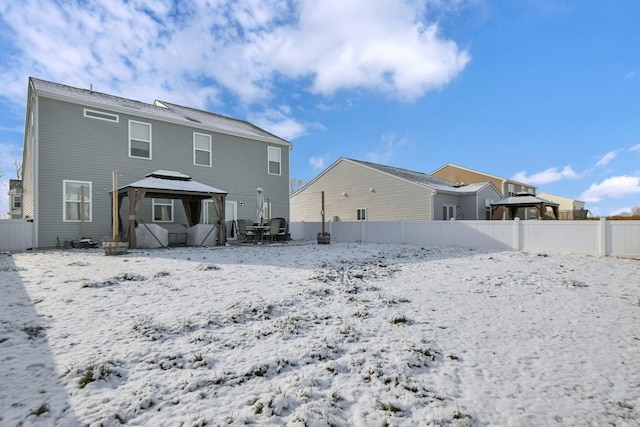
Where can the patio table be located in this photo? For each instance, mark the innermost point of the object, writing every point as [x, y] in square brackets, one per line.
[259, 231]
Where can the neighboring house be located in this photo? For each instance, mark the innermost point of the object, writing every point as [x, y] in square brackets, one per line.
[569, 208]
[355, 190]
[459, 174]
[15, 199]
[75, 138]
[508, 187]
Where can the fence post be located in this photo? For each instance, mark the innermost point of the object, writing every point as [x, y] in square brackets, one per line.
[602, 249]
[516, 234]
[452, 231]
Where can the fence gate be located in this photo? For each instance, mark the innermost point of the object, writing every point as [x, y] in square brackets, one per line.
[16, 234]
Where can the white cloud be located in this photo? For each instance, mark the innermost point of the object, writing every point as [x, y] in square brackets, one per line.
[614, 187]
[607, 158]
[278, 122]
[386, 148]
[635, 148]
[631, 74]
[618, 211]
[380, 46]
[319, 162]
[186, 52]
[546, 176]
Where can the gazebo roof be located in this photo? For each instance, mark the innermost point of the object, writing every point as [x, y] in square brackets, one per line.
[171, 185]
[524, 200]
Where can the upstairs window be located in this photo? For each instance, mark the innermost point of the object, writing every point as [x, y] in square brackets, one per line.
[361, 214]
[77, 201]
[101, 115]
[16, 201]
[511, 190]
[162, 210]
[274, 160]
[139, 140]
[201, 149]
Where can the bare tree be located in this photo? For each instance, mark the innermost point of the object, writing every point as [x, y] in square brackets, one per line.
[295, 184]
[18, 169]
[635, 211]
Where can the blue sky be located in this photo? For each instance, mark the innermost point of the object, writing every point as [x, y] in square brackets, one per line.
[542, 91]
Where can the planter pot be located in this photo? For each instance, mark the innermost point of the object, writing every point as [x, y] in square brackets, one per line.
[324, 240]
[115, 248]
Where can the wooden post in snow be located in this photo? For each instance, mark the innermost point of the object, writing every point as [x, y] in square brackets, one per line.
[114, 205]
[322, 212]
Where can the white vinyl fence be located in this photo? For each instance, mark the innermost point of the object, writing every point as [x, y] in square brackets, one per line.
[598, 238]
[16, 234]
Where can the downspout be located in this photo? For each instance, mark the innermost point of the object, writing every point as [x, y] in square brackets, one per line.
[433, 211]
[36, 179]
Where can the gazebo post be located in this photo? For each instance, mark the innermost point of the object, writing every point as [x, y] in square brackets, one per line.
[131, 193]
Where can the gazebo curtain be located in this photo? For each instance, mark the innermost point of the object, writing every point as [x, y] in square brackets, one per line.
[222, 232]
[193, 210]
[498, 210]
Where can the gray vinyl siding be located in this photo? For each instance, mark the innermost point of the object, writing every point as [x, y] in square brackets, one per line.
[441, 199]
[466, 208]
[391, 199]
[489, 193]
[74, 147]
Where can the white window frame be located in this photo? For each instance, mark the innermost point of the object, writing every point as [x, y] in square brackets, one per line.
[65, 200]
[450, 209]
[101, 115]
[196, 149]
[15, 197]
[361, 214]
[141, 140]
[511, 190]
[274, 155]
[160, 202]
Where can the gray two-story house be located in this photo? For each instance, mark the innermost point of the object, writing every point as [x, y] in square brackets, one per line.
[76, 138]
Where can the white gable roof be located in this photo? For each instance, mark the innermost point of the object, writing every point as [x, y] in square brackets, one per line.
[159, 110]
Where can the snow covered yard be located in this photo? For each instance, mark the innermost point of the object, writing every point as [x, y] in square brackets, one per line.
[306, 334]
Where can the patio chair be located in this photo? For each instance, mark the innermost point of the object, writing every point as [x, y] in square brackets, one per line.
[273, 230]
[283, 231]
[249, 235]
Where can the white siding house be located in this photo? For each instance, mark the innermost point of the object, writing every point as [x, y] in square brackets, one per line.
[356, 190]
